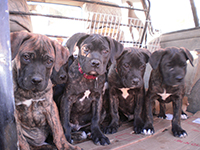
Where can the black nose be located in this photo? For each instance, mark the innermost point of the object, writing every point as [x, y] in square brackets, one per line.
[36, 80]
[135, 81]
[62, 77]
[179, 78]
[95, 63]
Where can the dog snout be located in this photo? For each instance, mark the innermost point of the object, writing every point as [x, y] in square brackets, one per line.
[179, 78]
[135, 81]
[36, 80]
[62, 77]
[95, 63]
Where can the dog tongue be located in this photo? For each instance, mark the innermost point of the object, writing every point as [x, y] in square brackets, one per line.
[93, 73]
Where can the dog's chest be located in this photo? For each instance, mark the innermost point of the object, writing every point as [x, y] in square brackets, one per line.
[85, 95]
[125, 92]
[31, 112]
[164, 95]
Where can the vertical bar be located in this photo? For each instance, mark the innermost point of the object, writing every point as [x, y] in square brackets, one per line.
[8, 133]
[146, 23]
[194, 12]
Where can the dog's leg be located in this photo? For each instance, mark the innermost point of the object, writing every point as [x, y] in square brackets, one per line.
[114, 104]
[57, 130]
[97, 136]
[138, 122]
[148, 127]
[176, 124]
[162, 110]
[65, 110]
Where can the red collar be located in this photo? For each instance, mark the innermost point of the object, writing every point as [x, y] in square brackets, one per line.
[84, 74]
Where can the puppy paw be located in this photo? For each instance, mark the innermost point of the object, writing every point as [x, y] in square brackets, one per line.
[184, 116]
[112, 128]
[148, 130]
[162, 116]
[178, 131]
[138, 126]
[99, 138]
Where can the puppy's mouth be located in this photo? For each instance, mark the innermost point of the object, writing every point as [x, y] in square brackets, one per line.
[94, 73]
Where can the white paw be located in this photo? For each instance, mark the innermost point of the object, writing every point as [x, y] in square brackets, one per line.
[147, 132]
[83, 135]
[184, 117]
[183, 135]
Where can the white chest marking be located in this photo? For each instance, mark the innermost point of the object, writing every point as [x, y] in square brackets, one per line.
[29, 102]
[164, 95]
[125, 93]
[86, 94]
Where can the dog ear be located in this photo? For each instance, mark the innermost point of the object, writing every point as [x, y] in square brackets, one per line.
[116, 49]
[155, 58]
[81, 38]
[17, 38]
[188, 55]
[146, 54]
[61, 56]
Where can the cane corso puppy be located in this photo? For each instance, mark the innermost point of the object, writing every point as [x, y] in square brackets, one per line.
[166, 84]
[81, 104]
[126, 88]
[34, 57]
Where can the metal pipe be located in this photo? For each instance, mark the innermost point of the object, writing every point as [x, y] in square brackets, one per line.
[8, 132]
[94, 2]
[146, 23]
[194, 12]
[70, 18]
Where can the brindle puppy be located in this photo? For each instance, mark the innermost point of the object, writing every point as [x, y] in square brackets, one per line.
[126, 88]
[166, 84]
[34, 57]
[81, 103]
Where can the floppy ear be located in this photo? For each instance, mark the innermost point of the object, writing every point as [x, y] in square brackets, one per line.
[17, 38]
[188, 55]
[116, 49]
[147, 54]
[80, 39]
[155, 58]
[72, 41]
[61, 55]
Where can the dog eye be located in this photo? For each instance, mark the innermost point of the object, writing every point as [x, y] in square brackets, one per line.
[142, 67]
[105, 52]
[126, 65]
[26, 57]
[49, 62]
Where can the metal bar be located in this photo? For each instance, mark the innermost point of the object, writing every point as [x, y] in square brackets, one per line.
[194, 12]
[146, 23]
[62, 17]
[98, 3]
[8, 132]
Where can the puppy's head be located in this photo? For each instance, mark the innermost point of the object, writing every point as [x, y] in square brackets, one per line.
[96, 51]
[34, 57]
[172, 64]
[131, 66]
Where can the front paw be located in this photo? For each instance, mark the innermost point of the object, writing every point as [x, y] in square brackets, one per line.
[148, 130]
[162, 116]
[100, 138]
[178, 131]
[112, 128]
[138, 126]
[68, 137]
